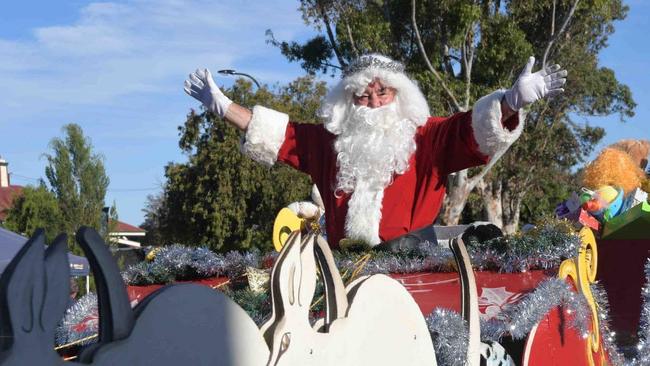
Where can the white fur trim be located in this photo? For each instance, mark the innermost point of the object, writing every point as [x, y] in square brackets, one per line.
[265, 135]
[364, 214]
[493, 139]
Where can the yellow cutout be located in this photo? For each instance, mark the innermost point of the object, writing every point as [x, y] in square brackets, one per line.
[582, 271]
[285, 223]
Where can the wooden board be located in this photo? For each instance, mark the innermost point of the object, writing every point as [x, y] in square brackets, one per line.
[382, 325]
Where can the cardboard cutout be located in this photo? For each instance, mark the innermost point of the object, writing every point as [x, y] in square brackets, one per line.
[382, 324]
[177, 325]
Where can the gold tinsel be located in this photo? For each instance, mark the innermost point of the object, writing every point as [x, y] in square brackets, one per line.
[615, 168]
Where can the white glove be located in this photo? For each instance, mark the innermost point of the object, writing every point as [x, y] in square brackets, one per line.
[305, 209]
[531, 87]
[201, 86]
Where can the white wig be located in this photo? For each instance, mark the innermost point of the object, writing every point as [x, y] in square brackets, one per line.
[411, 103]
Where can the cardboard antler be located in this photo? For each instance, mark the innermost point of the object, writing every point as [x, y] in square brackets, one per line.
[115, 315]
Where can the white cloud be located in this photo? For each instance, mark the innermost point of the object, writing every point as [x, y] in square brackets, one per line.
[140, 46]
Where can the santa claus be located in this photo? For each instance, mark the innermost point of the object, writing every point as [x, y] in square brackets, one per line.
[379, 160]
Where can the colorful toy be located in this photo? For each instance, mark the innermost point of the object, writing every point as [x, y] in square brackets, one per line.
[615, 168]
[605, 203]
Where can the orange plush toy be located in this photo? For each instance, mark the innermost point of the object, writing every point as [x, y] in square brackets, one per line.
[615, 168]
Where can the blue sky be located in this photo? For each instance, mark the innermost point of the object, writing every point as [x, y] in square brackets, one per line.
[117, 69]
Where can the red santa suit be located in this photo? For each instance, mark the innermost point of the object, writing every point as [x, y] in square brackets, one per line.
[413, 199]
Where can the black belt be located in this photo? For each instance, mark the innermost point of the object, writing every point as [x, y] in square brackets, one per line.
[409, 241]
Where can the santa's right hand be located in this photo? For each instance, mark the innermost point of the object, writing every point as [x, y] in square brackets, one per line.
[305, 210]
[201, 86]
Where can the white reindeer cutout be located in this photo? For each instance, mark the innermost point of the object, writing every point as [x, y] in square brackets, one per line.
[376, 322]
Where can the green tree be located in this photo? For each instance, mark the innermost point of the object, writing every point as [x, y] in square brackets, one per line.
[460, 50]
[77, 179]
[35, 208]
[219, 197]
[154, 214]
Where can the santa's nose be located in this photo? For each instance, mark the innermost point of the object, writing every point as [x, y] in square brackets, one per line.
[374, 101]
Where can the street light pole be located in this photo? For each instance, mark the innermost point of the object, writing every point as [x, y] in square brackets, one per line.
[233, 72]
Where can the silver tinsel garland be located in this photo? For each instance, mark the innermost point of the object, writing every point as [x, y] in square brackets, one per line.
[178, 263]
[543, 248]
[643, 348]
[448, 330]
[449, 335]
[518, 319]
[522, 255]
[79, 322]
[607, 335]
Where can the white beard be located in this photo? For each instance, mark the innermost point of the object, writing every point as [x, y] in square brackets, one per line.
[375, 144]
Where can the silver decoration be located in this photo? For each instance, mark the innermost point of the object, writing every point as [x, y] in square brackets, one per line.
[365, 62]
[449, 335]
[518, 319]
[80, 321]
[643, 348]
[177, 263]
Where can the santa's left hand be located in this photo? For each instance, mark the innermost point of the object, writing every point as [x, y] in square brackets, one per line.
[531, 87]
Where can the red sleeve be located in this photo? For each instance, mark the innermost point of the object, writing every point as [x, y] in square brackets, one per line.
[305, 147]
[452, 143]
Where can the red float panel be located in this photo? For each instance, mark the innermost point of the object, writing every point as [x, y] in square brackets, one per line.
[432, 290]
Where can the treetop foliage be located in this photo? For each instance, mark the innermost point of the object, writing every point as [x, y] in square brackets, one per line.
[77, 178]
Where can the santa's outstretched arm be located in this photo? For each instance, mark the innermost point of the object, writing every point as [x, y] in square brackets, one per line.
[202, 87]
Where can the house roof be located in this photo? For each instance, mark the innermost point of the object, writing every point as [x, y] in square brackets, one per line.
[123, 227]
[7, 195]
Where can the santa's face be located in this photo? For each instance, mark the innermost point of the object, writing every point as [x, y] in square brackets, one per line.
[374, 143]
[376, 95]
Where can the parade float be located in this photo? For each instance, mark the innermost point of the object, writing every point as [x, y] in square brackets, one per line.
[544, 296]
[535, 310]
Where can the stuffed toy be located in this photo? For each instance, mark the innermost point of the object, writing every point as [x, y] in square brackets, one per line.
[637, 149]
[613, 167]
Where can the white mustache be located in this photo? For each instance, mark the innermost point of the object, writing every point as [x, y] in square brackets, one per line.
[372, 116]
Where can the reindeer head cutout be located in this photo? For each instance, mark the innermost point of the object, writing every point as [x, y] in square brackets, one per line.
[177, 325]
[375, 322]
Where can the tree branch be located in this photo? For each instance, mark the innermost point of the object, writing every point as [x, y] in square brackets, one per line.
[330, 65]
[330, 33]
[429, 66]
[553, 19]
[468, 62]
[355, 50]
[533, 165]
[342, 16]
[554, 37]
